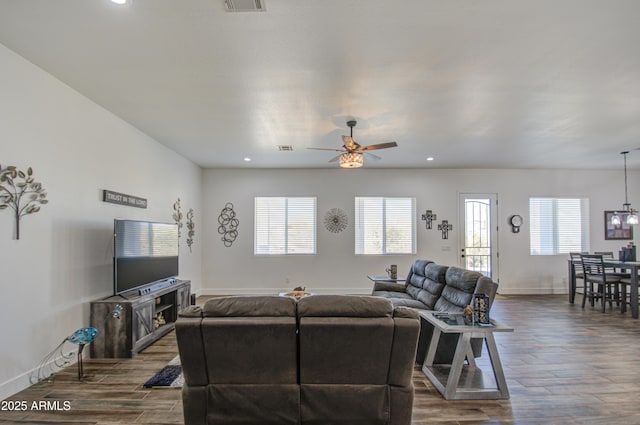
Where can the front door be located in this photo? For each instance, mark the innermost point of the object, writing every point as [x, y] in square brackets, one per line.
[479, 233]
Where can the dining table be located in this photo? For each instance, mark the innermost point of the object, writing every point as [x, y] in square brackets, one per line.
[630, 267]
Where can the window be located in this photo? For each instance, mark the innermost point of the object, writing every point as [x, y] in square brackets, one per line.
[385, 225]
[558, 225]
[285, 226]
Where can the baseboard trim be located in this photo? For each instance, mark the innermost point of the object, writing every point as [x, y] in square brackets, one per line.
[15, 385]
[23, 381]
[532, 291]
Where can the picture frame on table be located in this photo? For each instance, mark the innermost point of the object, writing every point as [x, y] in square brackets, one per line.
[622, 231]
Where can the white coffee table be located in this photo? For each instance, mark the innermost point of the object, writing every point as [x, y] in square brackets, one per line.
[458, 381]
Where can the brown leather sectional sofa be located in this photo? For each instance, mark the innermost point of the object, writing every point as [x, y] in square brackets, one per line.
[326, 359]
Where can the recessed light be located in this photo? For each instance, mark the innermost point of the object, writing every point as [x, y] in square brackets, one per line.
[430, 158]
[247, 159]
[119, 1]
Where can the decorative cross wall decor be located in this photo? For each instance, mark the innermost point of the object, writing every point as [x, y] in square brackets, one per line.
[429, 217]
[444, 228]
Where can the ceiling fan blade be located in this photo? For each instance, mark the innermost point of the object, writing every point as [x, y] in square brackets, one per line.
[349, 143]
[379, 146]
[371, 156]
[328, 149]
[335, 158]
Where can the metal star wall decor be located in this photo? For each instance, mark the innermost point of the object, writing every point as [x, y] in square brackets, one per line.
[429, 217]
[335, 220]
[444, 228]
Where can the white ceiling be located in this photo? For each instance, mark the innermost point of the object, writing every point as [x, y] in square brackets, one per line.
[473, 83]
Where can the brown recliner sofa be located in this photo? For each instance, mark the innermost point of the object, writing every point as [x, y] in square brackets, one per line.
[326, 359]
[435, 287]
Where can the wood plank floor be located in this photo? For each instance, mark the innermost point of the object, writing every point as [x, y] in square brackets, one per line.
[564, 366]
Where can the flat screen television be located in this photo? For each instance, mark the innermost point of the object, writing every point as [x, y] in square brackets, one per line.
[144, 252]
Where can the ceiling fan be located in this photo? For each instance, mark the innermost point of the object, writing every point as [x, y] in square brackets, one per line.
[352, 155]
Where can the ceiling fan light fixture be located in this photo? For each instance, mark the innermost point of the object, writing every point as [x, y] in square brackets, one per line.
[351, 160]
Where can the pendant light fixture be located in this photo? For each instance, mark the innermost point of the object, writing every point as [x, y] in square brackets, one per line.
[629, 214]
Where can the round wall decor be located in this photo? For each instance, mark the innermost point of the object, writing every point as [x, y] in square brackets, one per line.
[335, 220]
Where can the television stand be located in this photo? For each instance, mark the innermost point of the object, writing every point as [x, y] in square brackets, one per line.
[145, 317]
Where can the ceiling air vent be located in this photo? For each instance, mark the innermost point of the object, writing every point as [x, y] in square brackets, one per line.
[285, 147]
[244, 5]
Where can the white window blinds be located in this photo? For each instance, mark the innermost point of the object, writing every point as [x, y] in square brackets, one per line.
[285, 225]
[385, 225]
[558, 225]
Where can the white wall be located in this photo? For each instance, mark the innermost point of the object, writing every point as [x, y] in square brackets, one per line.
[336, 268]
[64, 257]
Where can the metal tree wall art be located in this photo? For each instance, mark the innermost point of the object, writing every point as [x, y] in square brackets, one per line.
[191, 228]
[20, 192]
[177, 216]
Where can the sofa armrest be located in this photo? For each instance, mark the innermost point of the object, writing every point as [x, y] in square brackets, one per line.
[488, 287]
[388, 286]
[403, 351]
[192, 356]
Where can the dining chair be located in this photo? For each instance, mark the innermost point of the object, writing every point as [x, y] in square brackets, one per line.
[608, 255]
[577, 266]
[619, 290]
[598, 285]
[625, 293]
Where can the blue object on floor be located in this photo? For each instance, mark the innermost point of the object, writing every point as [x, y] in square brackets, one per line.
[165, 377]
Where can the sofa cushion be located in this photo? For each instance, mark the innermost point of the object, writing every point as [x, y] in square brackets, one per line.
[392, 294]
[459, 288]
[191, 311]
[250, 306]
[436, 273]
[408, 302]
[405, 313]
[344, 306]
[417, 274]
[432, 285]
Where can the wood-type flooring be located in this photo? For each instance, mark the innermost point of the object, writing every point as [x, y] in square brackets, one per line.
[564, 366]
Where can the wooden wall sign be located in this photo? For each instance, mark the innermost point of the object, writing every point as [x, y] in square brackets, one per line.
[123, 199]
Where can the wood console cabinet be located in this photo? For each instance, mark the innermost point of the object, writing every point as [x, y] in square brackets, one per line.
[144, 319]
